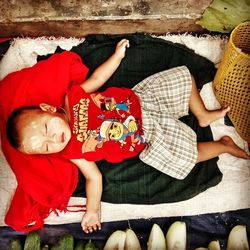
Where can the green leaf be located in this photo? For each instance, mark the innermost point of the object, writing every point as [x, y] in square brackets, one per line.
[15, 244]
[90, 246]
[224, 15]
[65, 242]
[79, 245]
[33, 241]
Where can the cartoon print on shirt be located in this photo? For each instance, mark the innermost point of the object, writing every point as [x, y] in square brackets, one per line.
[110, 104]
[80, 117]
[110, 129]
[113, 130]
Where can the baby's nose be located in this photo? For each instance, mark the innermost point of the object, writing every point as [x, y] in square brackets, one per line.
[52, 138]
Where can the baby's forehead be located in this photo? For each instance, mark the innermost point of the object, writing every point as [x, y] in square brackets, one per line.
[32, 114]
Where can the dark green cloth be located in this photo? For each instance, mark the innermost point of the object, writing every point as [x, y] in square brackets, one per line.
[146, 56]
[132, 181]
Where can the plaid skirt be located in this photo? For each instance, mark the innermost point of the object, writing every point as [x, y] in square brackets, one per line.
[171, 145]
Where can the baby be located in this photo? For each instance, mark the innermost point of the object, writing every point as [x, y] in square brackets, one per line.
[121, 123]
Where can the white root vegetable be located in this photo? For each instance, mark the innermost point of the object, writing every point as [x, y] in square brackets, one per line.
[116, 241]
[214, 245]
[156, 239]
[237, 239]
[131, 241]
[176, 237]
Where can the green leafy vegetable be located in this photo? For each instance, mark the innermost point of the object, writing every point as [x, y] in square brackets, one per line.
[66, 242]
[15, 244]
[79, 245]
[90, 246]
[33, 241]
[224, 15]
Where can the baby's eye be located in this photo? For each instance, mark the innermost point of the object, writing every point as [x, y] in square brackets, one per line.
[46, 128]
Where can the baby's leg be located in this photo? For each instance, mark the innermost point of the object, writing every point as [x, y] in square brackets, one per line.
[204, 116]
[209, 150]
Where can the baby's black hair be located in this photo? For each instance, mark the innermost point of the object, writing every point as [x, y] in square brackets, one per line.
[12, 128]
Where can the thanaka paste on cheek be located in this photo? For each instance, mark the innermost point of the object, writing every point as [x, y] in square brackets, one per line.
[55, 123]
[34, 144]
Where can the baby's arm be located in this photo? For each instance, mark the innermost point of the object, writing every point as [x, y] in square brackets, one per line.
[91, 219]
[106, 69]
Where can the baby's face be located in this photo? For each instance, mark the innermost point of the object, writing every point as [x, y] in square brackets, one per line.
[43, 132]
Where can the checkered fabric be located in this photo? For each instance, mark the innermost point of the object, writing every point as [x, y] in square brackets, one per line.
[171, 145]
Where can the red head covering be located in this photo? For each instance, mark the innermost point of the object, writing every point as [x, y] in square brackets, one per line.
[45, 183]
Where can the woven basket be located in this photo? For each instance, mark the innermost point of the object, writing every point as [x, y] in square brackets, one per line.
[232, 80]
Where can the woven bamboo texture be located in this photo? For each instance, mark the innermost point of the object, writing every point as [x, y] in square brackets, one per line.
[232, 80]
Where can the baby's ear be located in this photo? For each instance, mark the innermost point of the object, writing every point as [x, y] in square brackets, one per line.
[47, 107]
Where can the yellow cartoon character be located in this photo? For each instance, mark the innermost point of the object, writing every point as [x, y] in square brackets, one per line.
[112, 130]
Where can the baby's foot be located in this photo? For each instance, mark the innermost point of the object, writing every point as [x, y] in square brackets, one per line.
[233, 149]
[212, 115]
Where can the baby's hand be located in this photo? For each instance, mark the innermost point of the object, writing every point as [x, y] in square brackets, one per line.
[91, 222]
[121, 48]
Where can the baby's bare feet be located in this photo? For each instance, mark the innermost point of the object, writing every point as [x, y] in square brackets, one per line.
[233, 149]
[212, 115]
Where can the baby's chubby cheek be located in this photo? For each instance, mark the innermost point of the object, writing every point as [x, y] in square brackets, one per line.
[33, 144]
[55, 123]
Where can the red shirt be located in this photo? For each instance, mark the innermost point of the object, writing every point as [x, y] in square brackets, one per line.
[105, 125]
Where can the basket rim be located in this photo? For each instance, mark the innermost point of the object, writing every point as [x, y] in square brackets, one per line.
[231, 38]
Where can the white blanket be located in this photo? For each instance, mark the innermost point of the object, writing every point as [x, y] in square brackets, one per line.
[230, 194]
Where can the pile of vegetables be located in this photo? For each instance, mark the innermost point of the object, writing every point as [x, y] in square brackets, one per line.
[224, 15]
[66, 242]
[175, 239]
